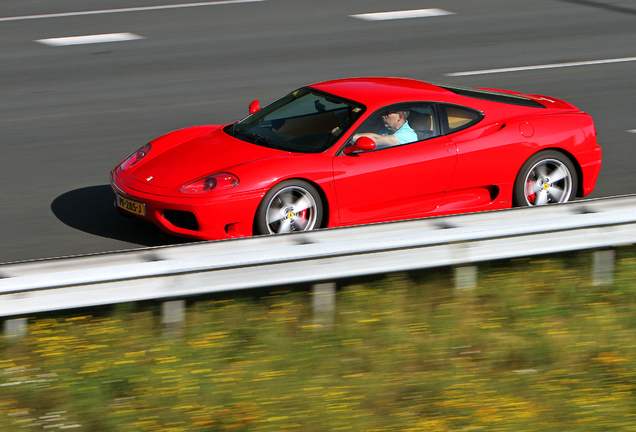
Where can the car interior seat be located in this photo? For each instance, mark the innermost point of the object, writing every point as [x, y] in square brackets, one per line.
[421, 123]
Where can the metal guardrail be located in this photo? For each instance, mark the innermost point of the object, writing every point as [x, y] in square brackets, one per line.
[324, 255]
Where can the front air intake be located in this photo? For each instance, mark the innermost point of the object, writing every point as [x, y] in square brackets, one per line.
[182, 219]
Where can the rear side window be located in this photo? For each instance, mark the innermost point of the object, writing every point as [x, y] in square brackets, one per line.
[456, 118]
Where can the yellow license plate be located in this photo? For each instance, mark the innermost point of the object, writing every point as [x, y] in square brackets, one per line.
[131, 206]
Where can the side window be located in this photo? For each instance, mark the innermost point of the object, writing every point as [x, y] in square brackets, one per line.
[420, 122]
[456, 118]
[423, 120]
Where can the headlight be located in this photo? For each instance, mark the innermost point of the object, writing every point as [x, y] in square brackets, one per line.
[217, 182]
[135, 157]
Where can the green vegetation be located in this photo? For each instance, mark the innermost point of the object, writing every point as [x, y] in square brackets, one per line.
[535, 347]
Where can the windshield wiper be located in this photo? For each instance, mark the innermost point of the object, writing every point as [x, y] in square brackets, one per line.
[258, 138]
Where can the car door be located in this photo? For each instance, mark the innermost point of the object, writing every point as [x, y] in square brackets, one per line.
[403, 181]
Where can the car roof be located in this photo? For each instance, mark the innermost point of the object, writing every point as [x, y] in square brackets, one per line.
[374, 91]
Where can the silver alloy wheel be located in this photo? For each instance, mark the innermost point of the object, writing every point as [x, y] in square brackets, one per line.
[548, 181]
[291, 209]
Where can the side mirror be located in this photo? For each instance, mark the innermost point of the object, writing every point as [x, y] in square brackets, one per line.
[254, 106]
[362, 144]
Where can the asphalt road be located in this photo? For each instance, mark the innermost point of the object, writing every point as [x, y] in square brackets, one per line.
[69, 114]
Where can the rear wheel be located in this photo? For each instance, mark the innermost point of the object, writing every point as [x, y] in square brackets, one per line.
[290, 206]
[548, 177]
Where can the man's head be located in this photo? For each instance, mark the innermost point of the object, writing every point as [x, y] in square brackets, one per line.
[395, 119]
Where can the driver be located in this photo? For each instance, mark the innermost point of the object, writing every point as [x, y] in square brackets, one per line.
[396, 130]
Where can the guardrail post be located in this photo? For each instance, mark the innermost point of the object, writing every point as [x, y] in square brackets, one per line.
[16, 328]
[603, 267]
[173, 317]
[324, 304]
[465, 277]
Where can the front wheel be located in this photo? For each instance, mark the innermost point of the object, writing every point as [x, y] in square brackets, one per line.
[290, 206]
[546, 178]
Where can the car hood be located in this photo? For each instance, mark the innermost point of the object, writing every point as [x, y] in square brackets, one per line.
[197, 157]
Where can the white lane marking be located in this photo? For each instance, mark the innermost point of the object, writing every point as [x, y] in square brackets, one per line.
[545, 66]
[90, 39]
[134, 9]
[632, 131]
[418, 13]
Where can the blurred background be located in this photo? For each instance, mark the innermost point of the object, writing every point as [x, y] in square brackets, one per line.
[70, 113]
[537, 345]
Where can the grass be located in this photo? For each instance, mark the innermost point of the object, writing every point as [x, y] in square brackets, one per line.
[536, 346]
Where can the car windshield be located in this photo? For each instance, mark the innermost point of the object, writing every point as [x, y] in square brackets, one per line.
[304, 121]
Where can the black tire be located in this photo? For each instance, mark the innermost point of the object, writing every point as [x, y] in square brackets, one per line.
[290, 206]
[548, 177]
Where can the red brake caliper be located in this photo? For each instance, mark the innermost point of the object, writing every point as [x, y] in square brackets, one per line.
[532, 195]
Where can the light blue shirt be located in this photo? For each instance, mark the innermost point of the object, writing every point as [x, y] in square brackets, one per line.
[405, 134]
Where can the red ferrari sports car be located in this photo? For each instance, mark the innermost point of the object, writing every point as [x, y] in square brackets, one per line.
[357, 151]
